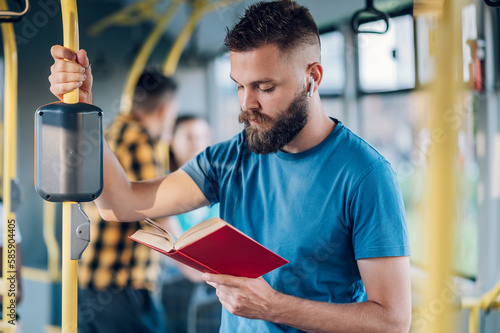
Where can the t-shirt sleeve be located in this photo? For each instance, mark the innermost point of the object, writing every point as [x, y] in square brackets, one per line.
[378, 217]
[201, 170]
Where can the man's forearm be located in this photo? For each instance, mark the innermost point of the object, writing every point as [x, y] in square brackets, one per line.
[314, 316]
[122, 200]
[115, 182]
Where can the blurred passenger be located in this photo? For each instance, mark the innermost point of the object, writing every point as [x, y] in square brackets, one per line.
[117, 275]
[191, 136]
[183, 288]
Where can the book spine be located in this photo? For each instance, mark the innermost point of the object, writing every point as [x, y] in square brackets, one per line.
[191, 262]
[181, 257]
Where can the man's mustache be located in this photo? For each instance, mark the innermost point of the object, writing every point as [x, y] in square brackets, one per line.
[254, 116]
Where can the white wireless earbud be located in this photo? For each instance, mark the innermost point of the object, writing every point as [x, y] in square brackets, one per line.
[311, 86]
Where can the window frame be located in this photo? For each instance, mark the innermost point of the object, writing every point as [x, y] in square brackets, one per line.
[392, 14]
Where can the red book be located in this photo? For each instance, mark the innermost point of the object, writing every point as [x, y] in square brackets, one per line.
[213, 246]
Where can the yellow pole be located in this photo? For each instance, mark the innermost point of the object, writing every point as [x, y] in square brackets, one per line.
[441, 175]
[69, 277]
[50, 240]
[9, 167]
[474, 319]
[201, 8]
[143, 56]
[71, 41]
[490, 297]
[130, 15]
[489, 301]
[180, 43]
[69, 267]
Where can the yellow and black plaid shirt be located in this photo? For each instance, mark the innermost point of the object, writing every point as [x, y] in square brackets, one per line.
[112, 260]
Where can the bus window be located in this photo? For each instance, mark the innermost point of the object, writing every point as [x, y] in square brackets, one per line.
[469, 35]
[403, 136]
[424, 26]
[226, 105]
[333, 61]
[387, 62]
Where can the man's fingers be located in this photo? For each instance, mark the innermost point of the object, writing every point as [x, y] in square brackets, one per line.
[62, 77]
[228, 280]
[213, 284]
[67, 66]
[60, 52]
[226, 305]
[69, 72]
[82, 58]
[63, 88]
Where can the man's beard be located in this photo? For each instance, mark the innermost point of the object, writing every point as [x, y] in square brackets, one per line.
[272, 135]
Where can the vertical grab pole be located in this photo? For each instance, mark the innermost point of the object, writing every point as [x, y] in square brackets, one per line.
[201, 8]
[69, 277]
[142, 57]
[9, 167]
[441, 176]
[71, 41]
[69, 267]
[50, 240]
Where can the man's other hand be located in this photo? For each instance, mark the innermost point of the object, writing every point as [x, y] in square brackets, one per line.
[249, 298]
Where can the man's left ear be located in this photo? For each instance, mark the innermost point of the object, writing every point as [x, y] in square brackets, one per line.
[315, 72]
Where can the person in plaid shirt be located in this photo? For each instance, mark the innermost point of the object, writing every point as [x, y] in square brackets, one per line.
[117, 275]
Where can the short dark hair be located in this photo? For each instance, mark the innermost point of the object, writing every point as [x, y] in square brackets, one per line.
[151, 90]
[185, 118]
[178, 122]
[284, 23]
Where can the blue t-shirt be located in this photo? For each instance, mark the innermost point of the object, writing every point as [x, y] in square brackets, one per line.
[321, 209]
[192, 218]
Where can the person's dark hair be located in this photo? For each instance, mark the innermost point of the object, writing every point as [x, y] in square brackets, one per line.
[184, 118]
[179, 121]
[284, 23]
[151, 90]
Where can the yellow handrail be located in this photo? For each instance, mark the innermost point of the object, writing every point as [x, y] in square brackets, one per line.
[201, 8]
[69, 277]
[130, 15]
[486, 302]
[69, 267]
[9, 166]
[441, 177]
[49, 237]
[471, 302]
[143, 56]
[71, 41]
[175, 53]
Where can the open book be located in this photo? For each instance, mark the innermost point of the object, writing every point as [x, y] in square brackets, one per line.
[213, 246]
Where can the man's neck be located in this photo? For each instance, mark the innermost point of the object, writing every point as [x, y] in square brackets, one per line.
[150, 124]
[318, 127]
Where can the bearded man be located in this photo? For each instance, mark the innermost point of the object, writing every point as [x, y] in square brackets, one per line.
[298, 182]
